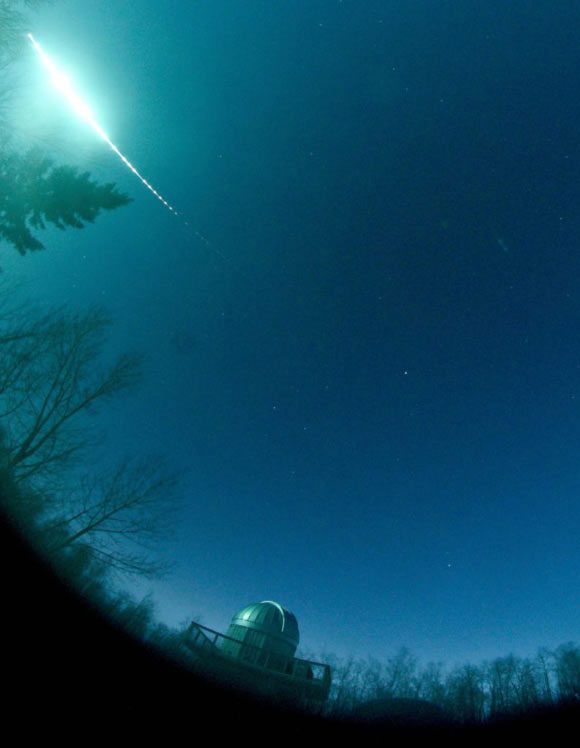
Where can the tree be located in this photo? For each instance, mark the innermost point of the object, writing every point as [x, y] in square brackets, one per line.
[466, 698]
[34, 192]
[118, 517]
[50, 378]
[400, 680]
[356, 681]
[346, 683]
[567, 669]
[431, 683]
[527, 685]
[501, 676]
[138, 618]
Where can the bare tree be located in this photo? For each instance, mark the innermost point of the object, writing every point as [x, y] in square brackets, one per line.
[545, 671]
[118, 518]
[356, 681]
[400, 675]
[374, 678]
[466, 698]
[431, 683]
[50, 378]
[501, 676]
[348, 687]
[567, 669]
[527, 684]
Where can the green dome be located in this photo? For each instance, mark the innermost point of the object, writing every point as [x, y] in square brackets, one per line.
[267, 625]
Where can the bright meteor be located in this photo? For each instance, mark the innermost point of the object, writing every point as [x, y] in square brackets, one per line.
[82, 109]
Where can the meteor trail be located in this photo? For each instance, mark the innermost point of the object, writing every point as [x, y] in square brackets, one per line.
[63, 84]
[82, 109]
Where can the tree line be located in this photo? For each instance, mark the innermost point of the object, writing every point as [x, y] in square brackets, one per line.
[468, 693]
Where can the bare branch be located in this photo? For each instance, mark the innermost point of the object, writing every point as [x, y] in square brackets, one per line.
[49, 379]
[122, 515]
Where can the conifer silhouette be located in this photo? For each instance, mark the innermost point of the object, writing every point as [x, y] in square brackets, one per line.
[35, 192]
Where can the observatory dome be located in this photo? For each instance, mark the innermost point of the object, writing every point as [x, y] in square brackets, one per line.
[268, 625]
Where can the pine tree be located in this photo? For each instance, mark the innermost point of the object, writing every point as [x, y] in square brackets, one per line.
[34, 192]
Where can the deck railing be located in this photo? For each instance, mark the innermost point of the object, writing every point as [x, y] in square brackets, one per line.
[205, 643]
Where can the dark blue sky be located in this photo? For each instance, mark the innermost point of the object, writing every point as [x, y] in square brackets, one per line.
[378, 394]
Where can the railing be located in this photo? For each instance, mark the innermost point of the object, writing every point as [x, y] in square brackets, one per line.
[205, 642]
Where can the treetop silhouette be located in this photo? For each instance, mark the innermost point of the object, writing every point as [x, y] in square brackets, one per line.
[35, 192]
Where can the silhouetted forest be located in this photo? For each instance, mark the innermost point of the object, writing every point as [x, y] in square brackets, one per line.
[470, 693]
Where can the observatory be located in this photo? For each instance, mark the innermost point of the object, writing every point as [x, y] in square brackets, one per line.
[258, 653]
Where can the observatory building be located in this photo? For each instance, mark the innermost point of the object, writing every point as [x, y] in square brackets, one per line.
[258, 653]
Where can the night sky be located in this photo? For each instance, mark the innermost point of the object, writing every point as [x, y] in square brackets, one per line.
[377, 393]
